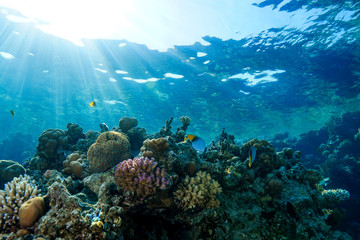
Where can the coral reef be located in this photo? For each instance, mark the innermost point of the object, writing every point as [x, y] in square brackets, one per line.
[16, 192]
[334, 196]
[75, 164]
[126, 123]
[137, 136]
[109, 149]
[74, 133]
[199, 191]
[83, 145]
[47, 155]
[140, 176]
[31, 211]
[8, 170]
[154, 148]
[184, 194]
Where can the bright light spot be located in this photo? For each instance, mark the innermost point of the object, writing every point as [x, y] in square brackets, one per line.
[159, 24]
[17, 19]
[122, 45]
[101, 70]
[142, 80]
[201, 54]
[246, 93]
[258, 77]
[112, 102]
[206, 62]
[31, 54]
[7, 55]
[112, 79]
[45, 71]
[173, 75]
[120, 72]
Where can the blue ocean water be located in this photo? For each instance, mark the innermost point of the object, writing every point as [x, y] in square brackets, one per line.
[282, 84]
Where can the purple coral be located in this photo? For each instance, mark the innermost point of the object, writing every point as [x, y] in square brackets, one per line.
[140, 175]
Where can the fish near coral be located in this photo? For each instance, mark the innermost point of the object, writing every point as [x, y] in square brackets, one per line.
[12, 113]
[252, 155]
[92, 104]
[197, 142]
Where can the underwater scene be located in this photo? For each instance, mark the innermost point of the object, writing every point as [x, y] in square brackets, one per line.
[234, 120]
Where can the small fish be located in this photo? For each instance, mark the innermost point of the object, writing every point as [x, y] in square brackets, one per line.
[92, 104]
[197, 142]
[12, 113]
[252, 155]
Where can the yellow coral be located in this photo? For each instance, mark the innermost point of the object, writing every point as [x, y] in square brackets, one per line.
[109, 149]
[198, 191]
[154, 148]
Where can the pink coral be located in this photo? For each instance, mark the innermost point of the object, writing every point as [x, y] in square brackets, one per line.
[141, 176]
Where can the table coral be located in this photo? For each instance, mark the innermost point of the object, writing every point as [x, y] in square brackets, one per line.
[109, 149]
[16, 192]
[198, 191]
[141, 176]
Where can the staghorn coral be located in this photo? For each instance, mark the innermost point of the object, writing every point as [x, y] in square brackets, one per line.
[141, 176]
[199, 191]
[16, 192]
[109, 149]
[334, 196]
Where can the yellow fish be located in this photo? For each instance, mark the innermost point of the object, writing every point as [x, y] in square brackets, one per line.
[252, 155]
[92, 104]
[12, 113]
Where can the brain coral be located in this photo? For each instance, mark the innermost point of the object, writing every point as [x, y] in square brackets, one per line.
[198, 191]
[109, 149]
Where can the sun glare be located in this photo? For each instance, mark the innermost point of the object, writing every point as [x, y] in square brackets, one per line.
[159, 24]
[74, 20]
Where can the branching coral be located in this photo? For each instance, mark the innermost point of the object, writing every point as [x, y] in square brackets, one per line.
[109, 149]
[198, 191]
[141, 176]
[16, 192]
